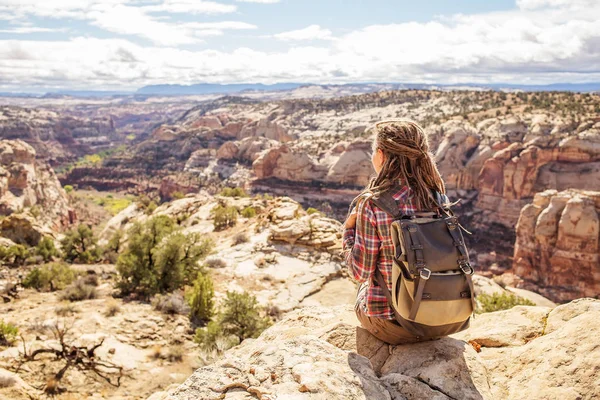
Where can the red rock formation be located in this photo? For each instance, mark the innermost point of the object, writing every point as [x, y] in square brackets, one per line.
[557, 247]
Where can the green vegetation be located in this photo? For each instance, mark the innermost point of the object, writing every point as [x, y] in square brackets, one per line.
[249, 212]
[49, 277]
[79, 245]
[8, 333]
[497, 302]
[312, 210]
[233, 192]
[241, 237]
[241, 318]
[46, 249]
[224, 216]
[113, 205]
[158, 259]
[177, 195]
[200, 299]
[79, 290]
[68, 188]
[14, 256]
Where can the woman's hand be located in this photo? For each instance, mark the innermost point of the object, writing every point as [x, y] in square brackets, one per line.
[351, 221]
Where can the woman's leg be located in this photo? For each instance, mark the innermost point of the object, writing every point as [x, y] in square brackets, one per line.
[383, 329]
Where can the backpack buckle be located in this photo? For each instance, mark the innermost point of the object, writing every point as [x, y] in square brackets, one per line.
[466, 268]
[424, 273]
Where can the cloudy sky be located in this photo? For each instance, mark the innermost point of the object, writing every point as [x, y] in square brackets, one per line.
[126, 44]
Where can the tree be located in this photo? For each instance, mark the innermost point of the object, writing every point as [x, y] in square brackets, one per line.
[79, 245]
[158, 259]
[200, 299]
[241, 316]
[14, 256]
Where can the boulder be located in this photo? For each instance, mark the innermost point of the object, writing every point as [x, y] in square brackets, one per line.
[316, 352]
[557, 246]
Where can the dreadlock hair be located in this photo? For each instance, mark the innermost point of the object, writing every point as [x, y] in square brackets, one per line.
[407, 161]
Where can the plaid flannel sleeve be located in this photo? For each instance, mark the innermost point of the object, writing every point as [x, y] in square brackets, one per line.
[361, 244]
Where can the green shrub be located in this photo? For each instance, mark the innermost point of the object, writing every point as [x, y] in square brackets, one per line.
[46, 249]
[79, 245]
[151, 208]
[68, 188]
[241, 237]
[200, 299]
[249, 212]
[172, 303]
[177, 195]
[8, 333]
[78, 291]
[241, 318]
[497, 302]
[49, 277]
[14, 256]
[233, 192]
[224, 216]
[312, 210]
[158, 259]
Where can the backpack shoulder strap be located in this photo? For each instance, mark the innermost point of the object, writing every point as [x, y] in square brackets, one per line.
[388, 204]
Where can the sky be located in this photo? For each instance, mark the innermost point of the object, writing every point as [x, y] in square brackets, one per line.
[127, 44]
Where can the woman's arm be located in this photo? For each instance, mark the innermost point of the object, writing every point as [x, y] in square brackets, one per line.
[361, 243]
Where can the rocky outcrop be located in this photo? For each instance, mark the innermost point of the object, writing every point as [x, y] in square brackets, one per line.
[557, 251]
[31, 197]
[318, 353]
[57, 137]
[510, 178]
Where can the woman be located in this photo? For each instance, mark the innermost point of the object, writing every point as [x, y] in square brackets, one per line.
[404, 167]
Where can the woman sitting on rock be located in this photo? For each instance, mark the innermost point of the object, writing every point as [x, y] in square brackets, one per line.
[405, 169]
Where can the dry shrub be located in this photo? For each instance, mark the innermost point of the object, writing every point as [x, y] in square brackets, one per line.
[175, 353]
[112, 308]
[173, 303]
[7, 381]
[78, 291]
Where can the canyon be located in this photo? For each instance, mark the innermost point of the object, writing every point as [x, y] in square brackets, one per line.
[524, 168]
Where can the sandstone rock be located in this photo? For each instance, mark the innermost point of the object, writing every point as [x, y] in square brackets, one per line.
[30, 195]
[513, 175]
[557, 246]
[228, 151]
[353, 167]
[296, 358]
[283, 163]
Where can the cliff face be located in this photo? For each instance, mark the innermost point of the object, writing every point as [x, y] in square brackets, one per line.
[31, 197]
[557, 248]
[55, 137]
[319, 353]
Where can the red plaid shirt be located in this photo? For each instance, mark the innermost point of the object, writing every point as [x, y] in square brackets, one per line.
[369, 245]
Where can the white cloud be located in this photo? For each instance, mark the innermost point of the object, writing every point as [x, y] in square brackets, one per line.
[192, 7]
[536, 4]
[29, 29]
[312, 32]
[543, 45]
[259, 1]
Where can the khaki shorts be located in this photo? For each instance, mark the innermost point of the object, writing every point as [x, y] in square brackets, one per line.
[386, 330]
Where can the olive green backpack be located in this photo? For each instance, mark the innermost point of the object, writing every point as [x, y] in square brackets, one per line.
[432, 288]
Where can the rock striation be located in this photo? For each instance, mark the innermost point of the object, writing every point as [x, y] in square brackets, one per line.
[31, 198]
[318, 353]
[557, 250]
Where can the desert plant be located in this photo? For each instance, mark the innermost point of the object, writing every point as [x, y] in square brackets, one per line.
[241, 316]
[200, 299]
[79, 245]
[8, 333]
[233, 192]
[224, 216]
[112, 308]
[7, 381]
[177, 195]
[500, 301]
[46, 249]
[312, 210]
[14, 256]
[49, 277]
[249, 212]
[68, 188]
[175, 353]
[173, 303]
[78, 291]
[215, 263]
[241, 237]
[65, 310]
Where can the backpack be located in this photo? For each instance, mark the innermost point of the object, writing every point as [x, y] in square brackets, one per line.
[432, 288]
